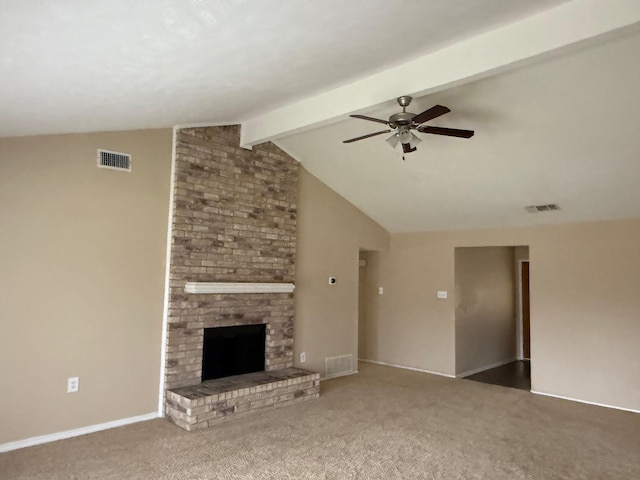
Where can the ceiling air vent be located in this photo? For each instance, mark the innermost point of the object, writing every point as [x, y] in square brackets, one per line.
[114, 160]
[542, 208]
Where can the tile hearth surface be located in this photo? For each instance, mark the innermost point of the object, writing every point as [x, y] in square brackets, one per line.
[239, 382]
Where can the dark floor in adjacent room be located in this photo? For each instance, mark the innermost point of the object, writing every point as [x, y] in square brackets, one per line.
[515, 375]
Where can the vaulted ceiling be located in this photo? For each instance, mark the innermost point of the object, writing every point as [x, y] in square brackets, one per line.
[550, 88]
[562, 130]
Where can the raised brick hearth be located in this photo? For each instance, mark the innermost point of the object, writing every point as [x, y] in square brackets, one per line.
[234, 220]
[215, 401]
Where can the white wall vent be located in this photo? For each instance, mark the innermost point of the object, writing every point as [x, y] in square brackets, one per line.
[542, 208]
[336, 366]
[114, 160]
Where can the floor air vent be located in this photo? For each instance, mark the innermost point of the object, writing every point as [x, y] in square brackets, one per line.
[336, 366]
[114, 160]
[542, 208]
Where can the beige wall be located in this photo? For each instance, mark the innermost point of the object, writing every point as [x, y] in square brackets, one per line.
[585, 312]
[331, 232]
[416, 329]
[584, 305]
[82, 273]
[81, 280]
[485, 307]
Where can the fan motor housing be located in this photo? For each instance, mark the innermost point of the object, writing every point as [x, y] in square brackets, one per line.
[401, 119]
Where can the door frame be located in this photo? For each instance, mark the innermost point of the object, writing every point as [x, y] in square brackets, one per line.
[520, 324]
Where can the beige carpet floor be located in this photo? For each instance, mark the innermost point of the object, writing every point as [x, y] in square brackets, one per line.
[383, 423]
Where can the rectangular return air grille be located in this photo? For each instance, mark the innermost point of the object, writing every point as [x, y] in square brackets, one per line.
[550, 207]
[114, 160]
[336, 366]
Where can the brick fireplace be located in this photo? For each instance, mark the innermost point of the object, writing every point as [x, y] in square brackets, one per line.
[234, 220]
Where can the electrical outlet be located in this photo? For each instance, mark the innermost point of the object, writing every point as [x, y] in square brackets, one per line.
[72, 384]
[303, 357]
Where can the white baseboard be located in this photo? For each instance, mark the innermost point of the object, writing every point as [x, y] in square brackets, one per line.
[486, 367]
[585, 401]
[404, 367]
[52, 437]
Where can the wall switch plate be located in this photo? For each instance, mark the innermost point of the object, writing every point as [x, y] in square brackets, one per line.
[303, 357]
[442, 294]
[380, 290]
[72, 384]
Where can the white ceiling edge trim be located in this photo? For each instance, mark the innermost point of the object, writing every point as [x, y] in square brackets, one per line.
[483, 55]
[238, 287]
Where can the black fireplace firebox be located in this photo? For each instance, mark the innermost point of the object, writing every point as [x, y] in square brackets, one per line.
[233, 350]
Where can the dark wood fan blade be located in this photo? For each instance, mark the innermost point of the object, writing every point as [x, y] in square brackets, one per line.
[371, 119]
[366, 136]
[433, 112]
[450, 132]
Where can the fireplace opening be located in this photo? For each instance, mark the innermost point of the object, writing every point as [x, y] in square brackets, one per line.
[233, 351]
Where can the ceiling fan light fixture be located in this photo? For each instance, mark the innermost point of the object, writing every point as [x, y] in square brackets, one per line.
[393, 140]
[405, 135]
[415, 140]
[398, 140]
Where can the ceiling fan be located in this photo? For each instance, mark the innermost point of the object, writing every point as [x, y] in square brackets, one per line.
[404, 122]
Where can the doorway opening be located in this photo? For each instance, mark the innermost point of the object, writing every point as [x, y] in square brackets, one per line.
[524, 319]
[492, 334]
[369, 292]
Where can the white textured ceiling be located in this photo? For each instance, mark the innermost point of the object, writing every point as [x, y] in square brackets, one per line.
[553, 125]
[74, 65]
